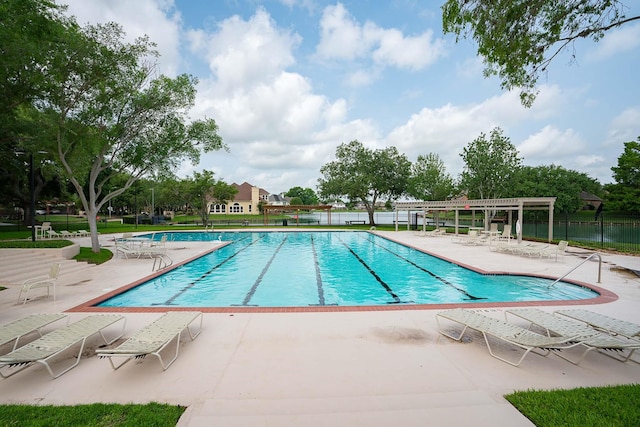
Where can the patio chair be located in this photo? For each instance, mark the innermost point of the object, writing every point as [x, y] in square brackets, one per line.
[43, 228]
[48, 282]
[51, 345]
[155, 337]
[604, 323]
[590, 338]
[83, 233]
[507, 332]
[14, 331]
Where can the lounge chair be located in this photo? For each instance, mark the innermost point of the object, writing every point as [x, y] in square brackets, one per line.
[83, 233]
[466, 239]
[68, 235]
[12, 332]
[501, 330]
[52, 234]
[604, 323]
[44, 349]
[155, 337]
[48, 282]
[549, 251]
[588, 337]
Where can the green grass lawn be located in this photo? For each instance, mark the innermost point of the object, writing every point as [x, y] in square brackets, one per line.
[614, 406]
[93, 415]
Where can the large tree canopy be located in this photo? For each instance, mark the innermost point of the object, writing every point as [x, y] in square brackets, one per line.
[30, 31]
[490, 165]
[110, 115]
[519, 38]
[554, 181]
[306, 195]
[625, 193]
[429, 179]
[365, 175]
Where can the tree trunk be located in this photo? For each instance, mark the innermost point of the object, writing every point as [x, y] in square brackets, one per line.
[92, 218]
[370, 211]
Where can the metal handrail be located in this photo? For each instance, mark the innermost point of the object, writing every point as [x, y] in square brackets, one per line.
[582, 262]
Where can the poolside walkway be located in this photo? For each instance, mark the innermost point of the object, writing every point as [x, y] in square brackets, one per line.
[373, 368]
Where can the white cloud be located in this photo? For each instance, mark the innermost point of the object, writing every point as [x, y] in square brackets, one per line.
[343, 38]
[244, 53]
[551, 144]
[161, 23]
[615, 42]
[624, 127]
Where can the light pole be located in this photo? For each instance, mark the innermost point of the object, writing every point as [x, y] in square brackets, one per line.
[33, 198]
[153, 206]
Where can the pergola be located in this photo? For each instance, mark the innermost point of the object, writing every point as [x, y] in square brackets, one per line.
[516, 204]
[294, 208]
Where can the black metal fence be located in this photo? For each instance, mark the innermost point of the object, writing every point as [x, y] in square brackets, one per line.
[612, 230]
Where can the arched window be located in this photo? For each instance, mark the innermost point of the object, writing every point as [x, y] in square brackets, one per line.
[218, 208]
[236, 208]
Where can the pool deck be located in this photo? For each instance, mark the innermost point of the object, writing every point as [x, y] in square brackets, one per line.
[366, 367]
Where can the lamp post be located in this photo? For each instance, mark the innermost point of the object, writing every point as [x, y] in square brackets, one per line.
[33, 199]
[153, 205]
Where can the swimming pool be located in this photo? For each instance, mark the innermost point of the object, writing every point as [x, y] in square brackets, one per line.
[328, 268]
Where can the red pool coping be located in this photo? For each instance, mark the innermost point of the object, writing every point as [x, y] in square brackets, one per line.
[605, 296]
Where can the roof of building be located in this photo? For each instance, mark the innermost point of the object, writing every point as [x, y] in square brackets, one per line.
[244, 192]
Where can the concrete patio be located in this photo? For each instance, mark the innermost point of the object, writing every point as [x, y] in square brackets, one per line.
[369, 368]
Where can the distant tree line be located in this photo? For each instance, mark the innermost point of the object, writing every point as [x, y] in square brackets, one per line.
[492, 169]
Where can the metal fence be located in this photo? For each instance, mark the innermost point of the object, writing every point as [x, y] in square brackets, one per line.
[612, 230]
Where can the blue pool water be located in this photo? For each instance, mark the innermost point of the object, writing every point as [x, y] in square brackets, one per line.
[286, 269]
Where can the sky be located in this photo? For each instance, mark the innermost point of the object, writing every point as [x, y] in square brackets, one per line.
[287, 81]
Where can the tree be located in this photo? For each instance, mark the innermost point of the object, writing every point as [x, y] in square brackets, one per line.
[306, 195]
[490, 166]
[554, 181]
[221, 193]
[429, 179]
[109, 115]
[296, 201]
[624, 195]
[365, 175]
[199, 190]
[30, 31]
[518, 39]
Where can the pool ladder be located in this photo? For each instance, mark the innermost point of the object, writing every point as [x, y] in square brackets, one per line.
[595, 254]
[163, 261]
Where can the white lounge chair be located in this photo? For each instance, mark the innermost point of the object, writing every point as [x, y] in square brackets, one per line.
[12, 332]
[547, 251]
[503, 331]
[604, 323]
[68, 235]
[155, 337]
[44, 349]
[52, 234]
[590, 338]
[48, 282]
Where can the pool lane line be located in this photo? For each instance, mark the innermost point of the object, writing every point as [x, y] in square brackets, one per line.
[431, 273]
[253, 289]
[318, 276]
[396, 299]
[211, 270]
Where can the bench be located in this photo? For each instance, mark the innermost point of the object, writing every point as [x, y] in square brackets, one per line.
[355, 221]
